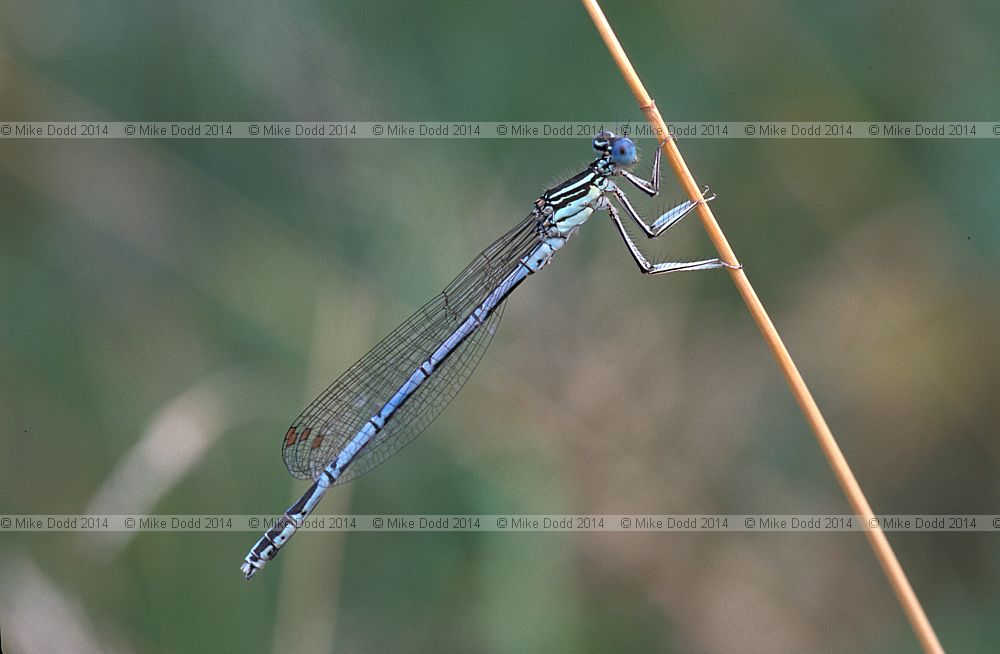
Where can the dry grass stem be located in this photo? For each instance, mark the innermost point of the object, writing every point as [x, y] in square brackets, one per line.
[880, 544]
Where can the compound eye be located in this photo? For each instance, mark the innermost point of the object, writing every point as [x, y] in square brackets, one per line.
[623, 151]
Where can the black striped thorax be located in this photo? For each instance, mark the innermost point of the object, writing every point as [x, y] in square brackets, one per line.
[579, 191]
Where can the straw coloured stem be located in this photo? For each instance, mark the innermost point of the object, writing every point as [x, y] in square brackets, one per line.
[873, 530]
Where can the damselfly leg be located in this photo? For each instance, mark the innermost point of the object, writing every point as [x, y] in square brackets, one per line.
[652, 187]
[665, 221]
[668, 219]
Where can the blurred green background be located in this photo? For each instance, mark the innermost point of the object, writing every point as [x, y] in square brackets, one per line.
[167, 306]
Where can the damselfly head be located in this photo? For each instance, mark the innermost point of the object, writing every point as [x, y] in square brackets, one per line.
[603, 141]
[620, 148]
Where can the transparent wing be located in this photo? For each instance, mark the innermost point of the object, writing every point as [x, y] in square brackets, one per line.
[333, 418]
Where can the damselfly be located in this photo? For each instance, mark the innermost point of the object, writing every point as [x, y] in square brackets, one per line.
[389, 396]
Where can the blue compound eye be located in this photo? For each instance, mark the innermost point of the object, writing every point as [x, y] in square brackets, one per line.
[623, 151]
